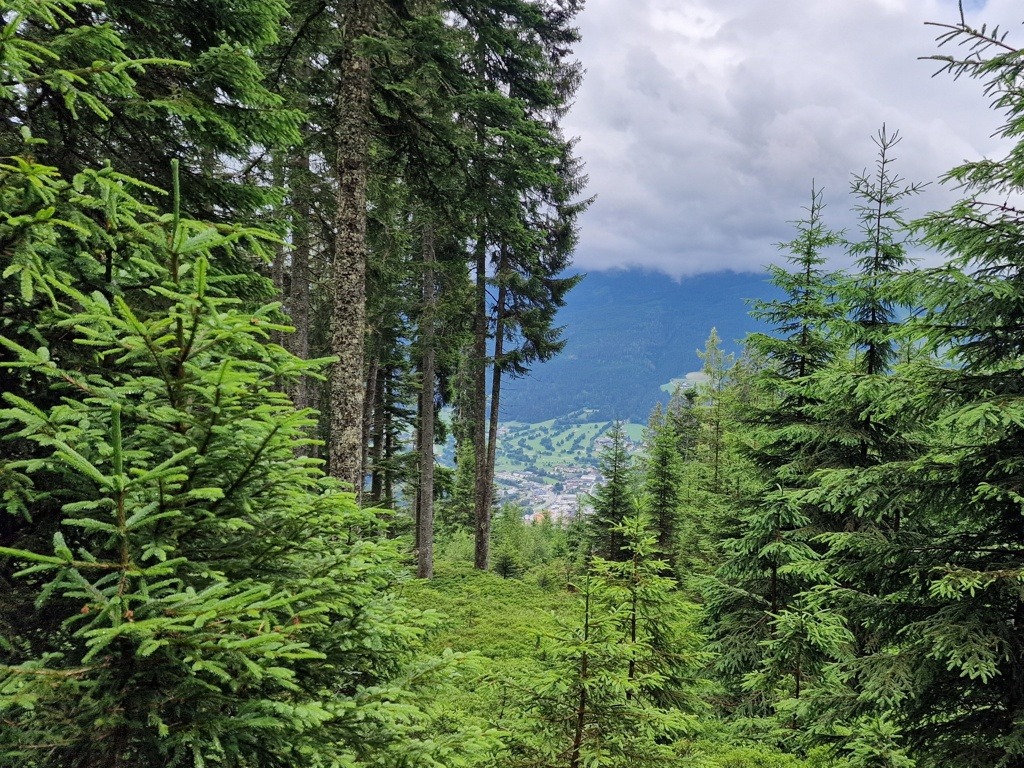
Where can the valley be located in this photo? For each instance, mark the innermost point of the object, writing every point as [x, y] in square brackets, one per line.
[549, 468]
[628, 333]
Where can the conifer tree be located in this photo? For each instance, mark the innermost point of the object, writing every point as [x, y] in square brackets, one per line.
[204, 604]
[755, 581]
[656, 620]
[711, 392]
[946, 612]
[681, 417]
[205, 103]
[180, 586]
[880, 255]
[663, 482]
[715, 475]
[614, 499]
[618, 687]
[521, 193]
[860, 540]
[353, 100]
[425, 431]
[414, 97]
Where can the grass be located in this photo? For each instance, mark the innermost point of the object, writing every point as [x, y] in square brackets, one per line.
[548, 444]
[501, 622]
[500, 618]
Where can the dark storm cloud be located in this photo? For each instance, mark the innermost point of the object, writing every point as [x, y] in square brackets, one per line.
[704, 122]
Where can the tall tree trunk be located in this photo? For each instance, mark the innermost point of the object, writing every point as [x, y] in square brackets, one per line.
[492, 426]
[377, 452]
[464, 492]
[277, 266]
[425, 569]
[348, 281]
[417, 501]
[716, 484]
[388, 474]
[277, 270]
[298, 302]
[369, 403]
[634, 609]
[584, 682]
[481, 507]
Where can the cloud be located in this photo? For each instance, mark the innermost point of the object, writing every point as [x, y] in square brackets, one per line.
[704, 122]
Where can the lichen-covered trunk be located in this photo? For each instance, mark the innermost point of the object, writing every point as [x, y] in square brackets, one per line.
[298, 302]
[348, 274]
[481, 501]
[425, 560]
[277, 266]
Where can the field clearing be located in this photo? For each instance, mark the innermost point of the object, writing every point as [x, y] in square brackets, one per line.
[553, 443]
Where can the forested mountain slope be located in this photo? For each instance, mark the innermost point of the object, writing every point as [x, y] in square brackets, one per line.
[813, 557]
[628, 332]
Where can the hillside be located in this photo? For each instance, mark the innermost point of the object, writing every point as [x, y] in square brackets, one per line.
[628, 333]
[513, 628]
[555, 442]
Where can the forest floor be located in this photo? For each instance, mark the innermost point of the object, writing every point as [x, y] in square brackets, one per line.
[502, 625]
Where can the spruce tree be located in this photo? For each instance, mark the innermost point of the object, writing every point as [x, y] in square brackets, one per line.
[205, 102]
[615, 497]
[774, 529]
[618, 686]
[861, 544]
[441, 96]
[200, 603]
[681, 417]
[880, 255]
[180, 585]
[663, 482]
[945, 615]
[711, 393]
[521, 198]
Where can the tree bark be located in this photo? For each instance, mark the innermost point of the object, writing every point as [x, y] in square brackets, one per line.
[349, 267]
[369, 405]
[492, 422]
[481, 507]
[277, 277]
[298, 302]
[377, 451]
[487, 486]
[581, 703]
[389, 475]
[634, 608]
[425, 564]
[277, 266]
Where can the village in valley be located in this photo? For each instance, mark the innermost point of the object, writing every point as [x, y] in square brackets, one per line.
[539, 498]
[527, 477]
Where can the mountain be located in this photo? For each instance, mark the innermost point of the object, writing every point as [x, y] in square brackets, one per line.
[629, 332]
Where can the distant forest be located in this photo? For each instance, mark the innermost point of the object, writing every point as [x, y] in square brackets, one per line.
[629, 334]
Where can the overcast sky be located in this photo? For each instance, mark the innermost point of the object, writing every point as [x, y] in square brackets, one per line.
[704, 122]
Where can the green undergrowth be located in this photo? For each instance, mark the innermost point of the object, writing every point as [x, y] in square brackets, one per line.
[501, 625]
[500, 619]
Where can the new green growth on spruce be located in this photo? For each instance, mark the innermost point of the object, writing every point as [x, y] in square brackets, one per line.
[618, 687]
[758, 576]
[179, 586]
